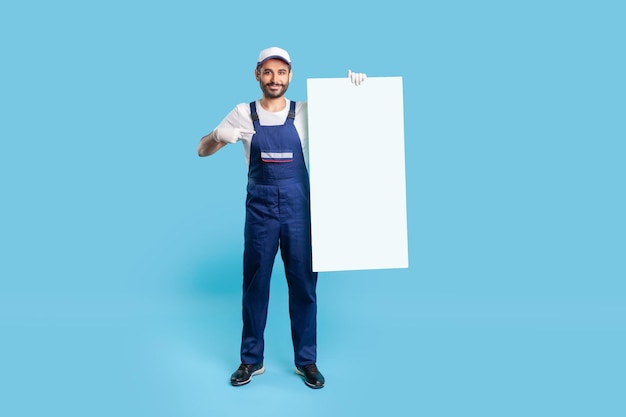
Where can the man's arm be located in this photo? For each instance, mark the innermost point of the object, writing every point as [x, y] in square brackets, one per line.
[236, 125]
[216, 140]
[209, 144]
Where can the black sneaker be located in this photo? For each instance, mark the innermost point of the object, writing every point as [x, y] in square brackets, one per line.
[312, 376]
[244, 373]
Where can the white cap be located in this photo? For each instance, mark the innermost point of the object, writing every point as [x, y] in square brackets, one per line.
[273, 53]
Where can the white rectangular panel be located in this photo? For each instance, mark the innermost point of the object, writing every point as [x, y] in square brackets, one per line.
[357, 170]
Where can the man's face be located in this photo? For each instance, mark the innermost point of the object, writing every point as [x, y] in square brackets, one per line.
[273, 76]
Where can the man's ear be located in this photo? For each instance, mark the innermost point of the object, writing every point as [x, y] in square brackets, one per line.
[257, 74]
[290, 75]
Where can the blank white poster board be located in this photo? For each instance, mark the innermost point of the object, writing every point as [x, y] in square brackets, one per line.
[357, 171]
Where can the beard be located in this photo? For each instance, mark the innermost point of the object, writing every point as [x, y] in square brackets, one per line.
[274, 93]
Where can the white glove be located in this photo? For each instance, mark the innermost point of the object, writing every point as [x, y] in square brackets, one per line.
[357, 78]
[231, 134]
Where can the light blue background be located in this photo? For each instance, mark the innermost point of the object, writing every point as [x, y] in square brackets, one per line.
[121, 249]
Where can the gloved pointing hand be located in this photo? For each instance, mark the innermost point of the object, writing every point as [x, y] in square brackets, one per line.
[357, 78]
[231, 134]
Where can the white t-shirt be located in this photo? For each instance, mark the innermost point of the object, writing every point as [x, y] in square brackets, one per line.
[240, 117]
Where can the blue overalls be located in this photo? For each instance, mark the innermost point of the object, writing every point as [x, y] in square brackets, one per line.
[278, 213]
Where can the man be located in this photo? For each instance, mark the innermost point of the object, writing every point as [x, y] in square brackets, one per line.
[273, 130]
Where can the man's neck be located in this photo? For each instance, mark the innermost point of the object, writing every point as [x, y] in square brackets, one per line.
[273, 104]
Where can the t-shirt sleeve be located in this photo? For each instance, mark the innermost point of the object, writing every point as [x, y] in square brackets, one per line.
[239, 117]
